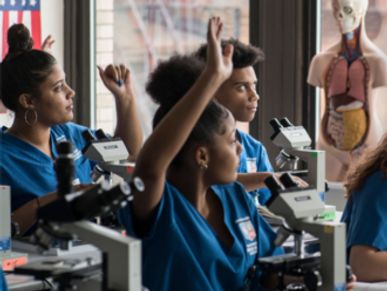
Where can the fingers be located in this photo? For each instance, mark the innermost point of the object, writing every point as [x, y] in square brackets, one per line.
[215, 27]
[47, 43]
[118, 73]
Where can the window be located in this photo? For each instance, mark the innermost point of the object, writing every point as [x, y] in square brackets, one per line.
[140, 33]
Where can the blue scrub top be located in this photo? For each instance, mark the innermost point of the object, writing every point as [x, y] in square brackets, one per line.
[254, 158]
[30, 172]
[3, 283]
[366, 214]
[182, 251]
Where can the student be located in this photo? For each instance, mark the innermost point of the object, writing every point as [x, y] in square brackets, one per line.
[200, 229]
[238, 94]
[366, 216]
[33, 85]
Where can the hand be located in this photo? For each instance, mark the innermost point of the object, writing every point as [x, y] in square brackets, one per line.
[216, 61]
[47, 43]
[118, 80]
[300, 183]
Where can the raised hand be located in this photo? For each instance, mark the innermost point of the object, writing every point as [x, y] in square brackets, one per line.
[218, 62]
[47, 43]
[118, 80]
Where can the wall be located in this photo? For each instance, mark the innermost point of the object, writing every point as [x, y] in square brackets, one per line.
[52, 23]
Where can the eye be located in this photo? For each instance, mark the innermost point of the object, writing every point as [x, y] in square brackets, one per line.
[59, 88]
[348, 10]
[242, 88]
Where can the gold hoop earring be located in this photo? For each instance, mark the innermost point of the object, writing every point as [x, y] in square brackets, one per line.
[35, 117]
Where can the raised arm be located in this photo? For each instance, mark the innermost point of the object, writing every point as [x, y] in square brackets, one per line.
[118, 80]
[172, 132]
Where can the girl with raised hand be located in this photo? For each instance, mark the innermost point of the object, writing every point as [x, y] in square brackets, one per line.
[33, 85]
[199, 227]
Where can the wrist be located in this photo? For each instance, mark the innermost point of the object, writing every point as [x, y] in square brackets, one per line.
[214, 76]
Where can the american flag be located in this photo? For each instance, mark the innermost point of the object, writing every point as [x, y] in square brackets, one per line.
[19, 11]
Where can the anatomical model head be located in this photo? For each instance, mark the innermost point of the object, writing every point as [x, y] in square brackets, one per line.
[349, 13]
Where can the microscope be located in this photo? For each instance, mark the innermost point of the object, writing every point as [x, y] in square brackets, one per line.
[68, 218]
[301, 208]
[295, 155]
[110, 155]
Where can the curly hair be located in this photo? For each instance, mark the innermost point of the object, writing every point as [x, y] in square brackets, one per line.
[244, 55]
[376, 160]
[170, 81]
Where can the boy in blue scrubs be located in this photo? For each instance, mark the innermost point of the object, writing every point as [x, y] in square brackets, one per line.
[238, 94]
[366, 216]
[199, 228]
[33, 85]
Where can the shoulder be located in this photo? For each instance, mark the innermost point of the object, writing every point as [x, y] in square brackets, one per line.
[373, 193]
[319, 66]
[68, 128]
[235, 194]
[248, 140]
[69, 131]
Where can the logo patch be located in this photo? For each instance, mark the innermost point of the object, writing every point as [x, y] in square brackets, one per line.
[247, 229]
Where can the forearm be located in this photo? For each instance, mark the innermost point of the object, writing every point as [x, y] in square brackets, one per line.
[253, 181]
[368, 264]
[128, 125]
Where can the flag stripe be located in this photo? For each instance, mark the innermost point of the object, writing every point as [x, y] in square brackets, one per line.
[1, 36]
[36, 30]
[5, 29]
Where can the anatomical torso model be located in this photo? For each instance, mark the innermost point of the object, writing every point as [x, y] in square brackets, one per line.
[349, 73]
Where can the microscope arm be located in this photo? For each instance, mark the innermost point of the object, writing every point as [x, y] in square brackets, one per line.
[124, 253]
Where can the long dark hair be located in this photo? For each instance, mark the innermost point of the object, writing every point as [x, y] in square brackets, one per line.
[376, 160]
[23, 68]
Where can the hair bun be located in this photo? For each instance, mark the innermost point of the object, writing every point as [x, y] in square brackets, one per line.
[19, 39]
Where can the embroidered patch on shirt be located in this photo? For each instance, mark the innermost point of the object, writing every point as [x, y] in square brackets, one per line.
[251, 165]
[247, 228]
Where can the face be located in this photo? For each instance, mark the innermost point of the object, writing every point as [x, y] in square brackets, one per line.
[349, 13]
[224, 154]
[55, 103]
[238, 94]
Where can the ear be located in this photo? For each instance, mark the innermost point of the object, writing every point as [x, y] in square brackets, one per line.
[26, 101]
[202, 156]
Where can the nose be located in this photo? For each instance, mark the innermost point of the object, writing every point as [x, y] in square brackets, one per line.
[254, 95]
[71, 92]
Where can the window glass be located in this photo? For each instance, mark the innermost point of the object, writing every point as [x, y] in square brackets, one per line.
[140, 33]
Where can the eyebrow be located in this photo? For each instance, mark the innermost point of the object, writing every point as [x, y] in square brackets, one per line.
[57, 82]
[244, 82]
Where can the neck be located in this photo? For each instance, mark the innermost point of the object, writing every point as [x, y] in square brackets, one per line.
[191, 186]
[37, 135]
[350, 47]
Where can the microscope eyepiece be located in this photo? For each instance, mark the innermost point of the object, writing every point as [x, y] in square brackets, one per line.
[101, 134]
[275, 124]
[285, 122]
[88, 136]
